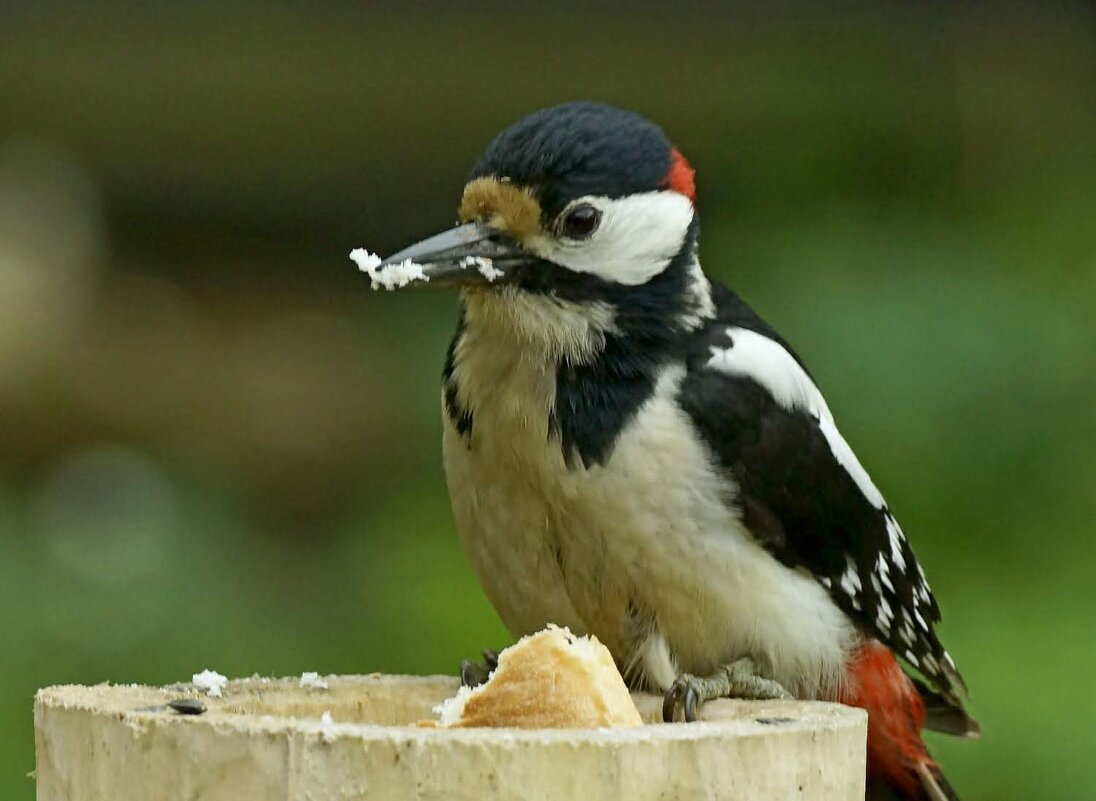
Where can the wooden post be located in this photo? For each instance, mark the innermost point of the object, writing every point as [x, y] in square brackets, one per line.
[270, 740]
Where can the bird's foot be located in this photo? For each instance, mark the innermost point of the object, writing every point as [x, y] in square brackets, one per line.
[473, 674]
[739, 679]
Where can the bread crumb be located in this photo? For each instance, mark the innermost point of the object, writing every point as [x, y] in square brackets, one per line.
[209, 681]
[392, 276]
[311, 680]
[485, 266]
[551, 679]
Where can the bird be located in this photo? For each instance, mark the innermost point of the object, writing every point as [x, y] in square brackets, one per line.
[632, 452]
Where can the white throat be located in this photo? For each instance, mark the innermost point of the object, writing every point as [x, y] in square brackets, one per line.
[541, 327]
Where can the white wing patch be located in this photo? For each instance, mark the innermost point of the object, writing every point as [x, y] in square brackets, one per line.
[755, 356]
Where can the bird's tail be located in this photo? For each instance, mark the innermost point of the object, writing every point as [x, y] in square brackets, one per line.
[899, 765]
[935, 785]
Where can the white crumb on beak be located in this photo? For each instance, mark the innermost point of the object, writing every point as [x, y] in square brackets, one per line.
[367, 262]
[485, 266]
[311, 680]
[211, 681]
[392, 276]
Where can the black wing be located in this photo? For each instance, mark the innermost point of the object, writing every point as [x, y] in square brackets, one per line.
[805, 506]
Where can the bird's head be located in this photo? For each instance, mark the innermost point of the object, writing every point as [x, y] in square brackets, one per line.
[580, 215]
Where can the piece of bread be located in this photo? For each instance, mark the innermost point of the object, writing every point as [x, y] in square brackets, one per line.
[548, 680]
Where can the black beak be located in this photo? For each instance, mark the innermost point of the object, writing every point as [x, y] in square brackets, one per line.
[468, 254]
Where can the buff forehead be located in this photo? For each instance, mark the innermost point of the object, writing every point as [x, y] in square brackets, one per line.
[502, 205]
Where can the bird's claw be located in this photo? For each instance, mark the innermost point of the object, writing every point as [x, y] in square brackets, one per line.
[739, 679]
[473, 674]
[686, 691]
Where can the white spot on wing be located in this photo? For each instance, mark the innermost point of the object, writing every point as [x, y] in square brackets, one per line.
[884, 616]
[894, 534]
[850, 583]
[850, 579]
[884, 572]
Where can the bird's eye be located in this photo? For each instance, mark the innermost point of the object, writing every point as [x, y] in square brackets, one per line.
[580, 222]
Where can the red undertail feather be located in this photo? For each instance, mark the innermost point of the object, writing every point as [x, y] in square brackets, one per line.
[681, 177]
[897, 756]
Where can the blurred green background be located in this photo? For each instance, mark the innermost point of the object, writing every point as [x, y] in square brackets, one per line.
[219, 449]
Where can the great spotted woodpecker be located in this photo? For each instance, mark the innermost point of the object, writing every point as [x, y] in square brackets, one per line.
[632, 452]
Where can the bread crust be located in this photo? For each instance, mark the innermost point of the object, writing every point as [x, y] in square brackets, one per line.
[549, 680]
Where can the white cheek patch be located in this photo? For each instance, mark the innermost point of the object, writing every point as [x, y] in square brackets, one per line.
[637, 238]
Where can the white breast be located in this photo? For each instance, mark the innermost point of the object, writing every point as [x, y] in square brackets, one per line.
[645, 551]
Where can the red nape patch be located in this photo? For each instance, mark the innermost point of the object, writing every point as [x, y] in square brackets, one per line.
[681, 177]
[896, 715]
